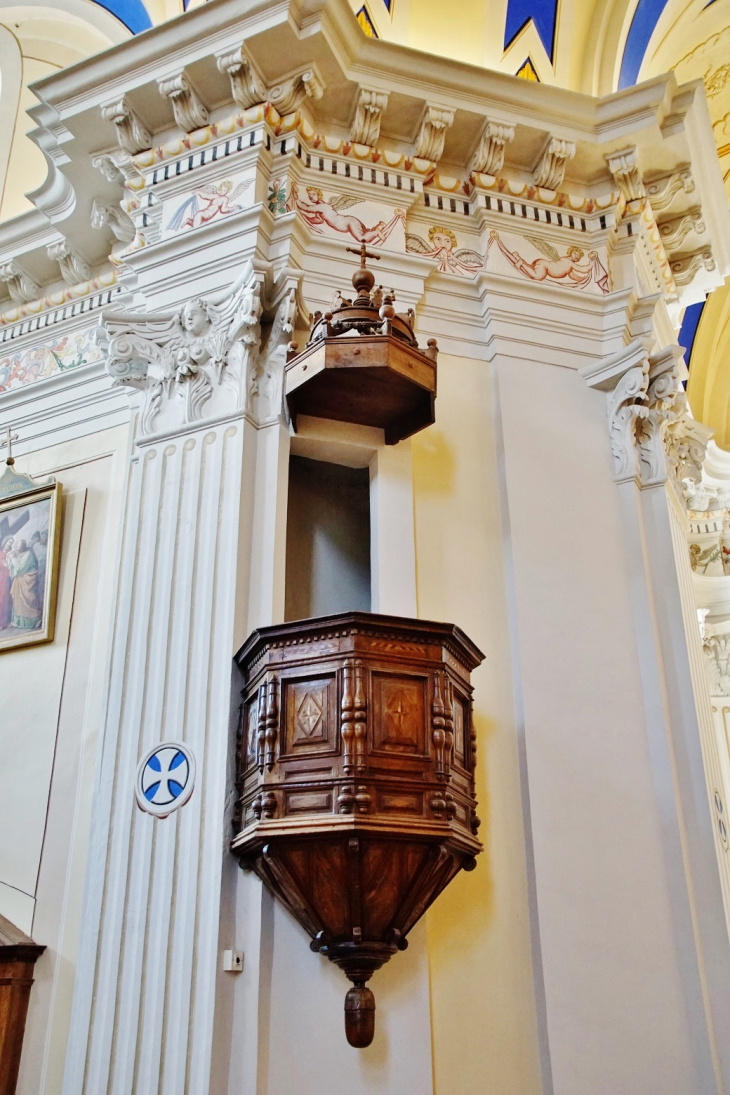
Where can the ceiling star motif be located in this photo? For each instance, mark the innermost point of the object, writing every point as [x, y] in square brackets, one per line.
[542, 13]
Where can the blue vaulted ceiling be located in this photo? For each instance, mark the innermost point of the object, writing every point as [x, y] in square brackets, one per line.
[543, 14]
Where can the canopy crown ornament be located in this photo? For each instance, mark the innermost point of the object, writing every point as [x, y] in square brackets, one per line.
[363, 364]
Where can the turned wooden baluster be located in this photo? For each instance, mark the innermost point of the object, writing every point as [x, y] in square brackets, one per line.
[449, 725]
[438, 726]
[348, 718]
[261, 730]
[359, 718]
[272, 723]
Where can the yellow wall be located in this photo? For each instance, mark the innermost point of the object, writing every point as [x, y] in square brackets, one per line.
[482, 997]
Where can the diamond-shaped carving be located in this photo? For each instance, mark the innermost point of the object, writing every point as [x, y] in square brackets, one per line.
[399, 714]
[309, 716]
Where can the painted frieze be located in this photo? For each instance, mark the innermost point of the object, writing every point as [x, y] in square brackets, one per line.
[19, 367]
[573, 267]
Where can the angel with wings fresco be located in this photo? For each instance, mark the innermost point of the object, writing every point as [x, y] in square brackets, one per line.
[319, 212]
[566, 268]
[450, 259]
[208, 202]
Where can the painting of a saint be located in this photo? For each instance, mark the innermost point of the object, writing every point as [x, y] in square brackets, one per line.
[443, 247]
[206, 203]
[321, 213]
[28, 555]
[566, 269]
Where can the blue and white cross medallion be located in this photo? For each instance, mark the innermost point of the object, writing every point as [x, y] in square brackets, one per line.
[165, 778]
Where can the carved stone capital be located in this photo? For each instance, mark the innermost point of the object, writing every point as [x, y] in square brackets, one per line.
[190, 112]
[74, 268]
[131, 133]
[662, 189]
[21, 286]
[107, 215]
[549, 170]
[288, 96]
[716, 649]
[488, 157]
[366, 126]
[247, 87]
[685, 266]
[624, 166]
[432, 134]
[642, 393]
[192, 363]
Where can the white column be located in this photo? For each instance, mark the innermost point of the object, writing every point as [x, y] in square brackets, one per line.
[630, 1004]
[145, 997]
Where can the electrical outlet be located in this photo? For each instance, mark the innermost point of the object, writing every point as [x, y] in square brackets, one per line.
[233, 961]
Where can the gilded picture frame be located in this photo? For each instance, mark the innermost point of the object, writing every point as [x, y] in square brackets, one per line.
[30, 544]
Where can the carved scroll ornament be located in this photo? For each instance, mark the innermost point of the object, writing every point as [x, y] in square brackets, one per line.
[653, 436]
[189, 363]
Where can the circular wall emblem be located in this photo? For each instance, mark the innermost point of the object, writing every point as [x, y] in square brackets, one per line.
[165, 778]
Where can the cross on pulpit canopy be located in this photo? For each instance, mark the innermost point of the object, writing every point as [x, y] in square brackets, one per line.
[8, 441]
[364, 254]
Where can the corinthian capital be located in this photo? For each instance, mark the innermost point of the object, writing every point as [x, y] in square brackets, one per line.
[191, 363]
[642, 393]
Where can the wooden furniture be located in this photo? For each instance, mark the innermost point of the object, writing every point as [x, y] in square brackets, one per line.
[18, 954]
[355, 781]
[362, 364]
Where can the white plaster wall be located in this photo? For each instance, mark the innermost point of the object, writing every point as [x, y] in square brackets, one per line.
[482, 992]
[51, 698]
[615, 1002]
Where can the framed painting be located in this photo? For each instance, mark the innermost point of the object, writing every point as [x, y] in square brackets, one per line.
[30, 528]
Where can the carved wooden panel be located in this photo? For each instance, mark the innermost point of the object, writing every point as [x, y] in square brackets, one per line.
[399, 706]
[308, 708]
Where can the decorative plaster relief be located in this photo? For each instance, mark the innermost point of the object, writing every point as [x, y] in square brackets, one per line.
[189, 364]
[131, 132]
[685, 267]
[624, 166]
[189, 110]
[569, 270]
[662, 190]
[653, 437]
[376, 223]
[716, 649]
[120, 222]
[432, 134]
[205, 204]
[23, 366]
[673, 230]
[443, 247]
[366, 126]
[488, 156]
[20, 285]
[74, 268]
[289, 95]
[549, 171]
[247, 87]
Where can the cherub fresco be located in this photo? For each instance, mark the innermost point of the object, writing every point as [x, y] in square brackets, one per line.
[450, 258]
[208, 202]
[320, 213]
[566, 269]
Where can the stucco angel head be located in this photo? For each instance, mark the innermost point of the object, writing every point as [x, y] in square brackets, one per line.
[194, 317]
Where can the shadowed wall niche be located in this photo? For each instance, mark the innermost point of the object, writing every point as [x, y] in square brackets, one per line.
[327, 539]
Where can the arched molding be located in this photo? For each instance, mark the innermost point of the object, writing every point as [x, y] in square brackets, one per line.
[84, 11]
[708, 388]
[11, 83]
